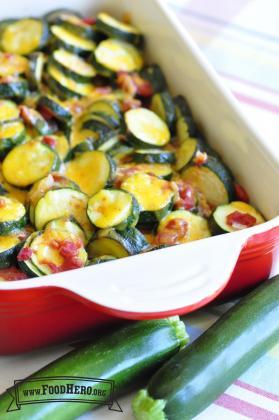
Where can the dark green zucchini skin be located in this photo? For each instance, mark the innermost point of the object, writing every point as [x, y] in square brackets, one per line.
[194, 378]
[126, 356]
[154, 75]
[8, 257]
[16, 89]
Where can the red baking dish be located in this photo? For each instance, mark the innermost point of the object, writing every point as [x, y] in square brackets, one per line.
[175, 280]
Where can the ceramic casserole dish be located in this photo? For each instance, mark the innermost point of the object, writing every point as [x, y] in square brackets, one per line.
[175, 280]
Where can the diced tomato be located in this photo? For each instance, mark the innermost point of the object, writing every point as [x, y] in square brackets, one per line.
[128, 104]
[241, 193]
[200, 158]
[89, 21]
[187, 196]
[25, 114]
[24, 254]
[239, 220]
[144, 87]
[103, 90]
[46, 113]
[126, 82]
[68, 249]
[12, 274]
[50, 141]
[174, 231]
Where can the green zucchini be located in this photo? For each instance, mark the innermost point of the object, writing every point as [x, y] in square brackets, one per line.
[73, 66]
[54, 16]
[233, 217]
[9, 246]
[68, 224]
[163, 105]
[85, 146]
[185, 128]
[37, 62]
[119, 244]
[77, 26]
[12, 215]
[91, 170]
[12, 64]
[28, 162]
[113, 208]
[187, 152]
[109, 108]
[23, 258]
[182, 108]
[113, 55]
[54, 108]
[24, 36]
[108, 141]
[154, 75]
[125, 356]
[213, 179]
[9, 111]
[70, 41]
[11, 134]
[34, 119]
[194, 378]
[100, 124]
[59, 143]
[113, 28]
[153, 156]
[160, 170]
[100, 260]
[146, 129]
[14, 88]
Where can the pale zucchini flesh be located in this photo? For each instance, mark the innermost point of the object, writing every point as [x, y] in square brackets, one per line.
[116, 55]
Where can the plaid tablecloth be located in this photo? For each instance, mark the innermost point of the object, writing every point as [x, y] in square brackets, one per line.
[241, 39]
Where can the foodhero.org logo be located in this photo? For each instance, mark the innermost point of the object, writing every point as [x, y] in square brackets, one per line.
[62, 389]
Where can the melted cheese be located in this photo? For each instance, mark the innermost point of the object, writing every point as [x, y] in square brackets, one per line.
[10, 209]
[8, 242]
[8, 109]
[11, 130]
[23, 36]
[118, 55]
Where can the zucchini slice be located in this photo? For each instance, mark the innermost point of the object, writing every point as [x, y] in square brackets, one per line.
[11, 134]
[212, 179]
[114, 55]
[187, 151]
[113, 28]
[62, 146]
[12, 215]
[77, 26]
[91, 170]
[161, 170]
[73, 66]
[101, 259]
[85, 146]
[24, 260]
[53, 251]
[181, 226]
[24, 36]
[154, 75]
[63, 202]
[29, 162]
[41, 187]
[70, 41]
[54, 16]
[9, 111]
[65, 87]
[117, 244]
[163, 105]
[154, 195]
[37, 62]
[153, 156]
[12, 65]
[109, 108]
[34, 119]
[8, 249]
[146, 129]
[233, 217]
[100, 124]
[113, 208]
[68, 224]
[54, 108]
[182, 108]
[14, 88]
[185, 128]
[108, 142]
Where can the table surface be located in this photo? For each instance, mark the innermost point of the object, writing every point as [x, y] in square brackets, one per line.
[241, 39]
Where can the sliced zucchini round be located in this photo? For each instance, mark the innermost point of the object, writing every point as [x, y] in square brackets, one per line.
[72, 42]
[233, 217]
[181, 226]
[14, 88]
[107, 142]
[37, 62]
[53, 251]
[212, 179]
[12, 64]
[117, 244]
[187, 151]
[154, 75]
[182, 108]
[85, 146]
[91, 170]
[9, 111]
[24, 260]
[185, 128]
[161, 170]
[114, 55]
[153, 156]
[100, 124]
[34, 119]
[55, 108]
[121, 152]
[113, 208]
[54, 16]
[41, 187]
[62, 146]
[9, 246]
[109, 108]
[24, 36]
[63, 202]
[68, 224]
[11, 134]
[101, 259]
[113, 28]
[65, 87]
[163, 105]
[77, 26]
[146, 129]
[12, 215]
[73, 66]
[29, 162]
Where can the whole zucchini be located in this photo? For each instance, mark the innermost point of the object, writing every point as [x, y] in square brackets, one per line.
[194, 378]
[125, 356]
